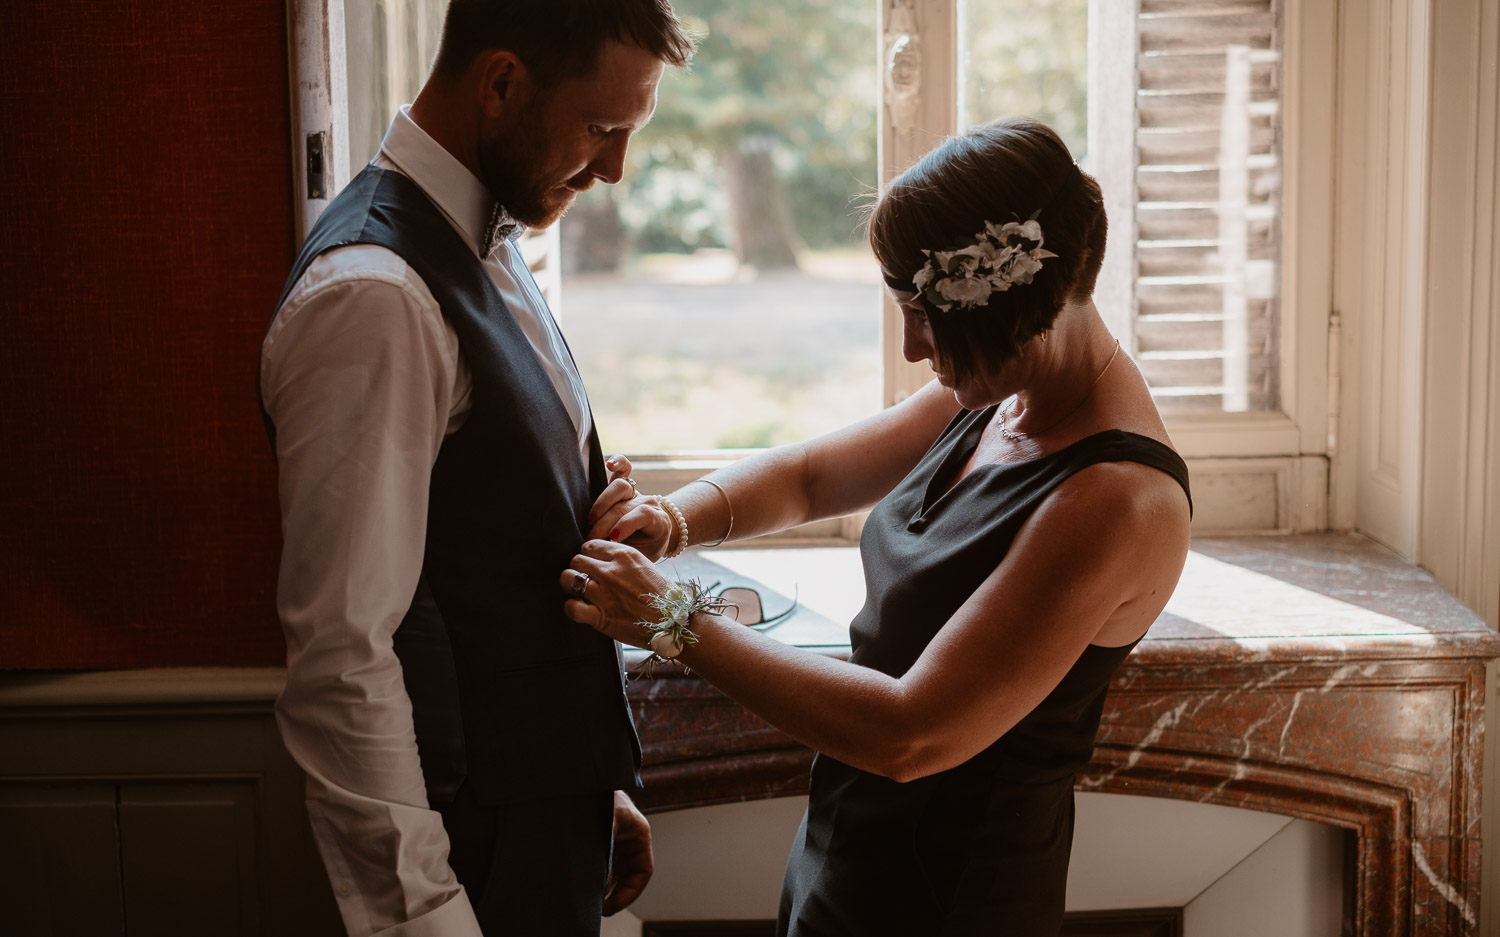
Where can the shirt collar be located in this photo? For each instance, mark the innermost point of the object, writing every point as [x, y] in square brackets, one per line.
[455, 190]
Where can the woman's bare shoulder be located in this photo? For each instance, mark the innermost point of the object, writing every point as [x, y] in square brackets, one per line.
[1124, 513]
[1127, 492]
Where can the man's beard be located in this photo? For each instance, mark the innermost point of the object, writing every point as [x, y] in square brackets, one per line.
[511, 165]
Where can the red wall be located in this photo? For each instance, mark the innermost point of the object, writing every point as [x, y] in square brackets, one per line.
[145, 230]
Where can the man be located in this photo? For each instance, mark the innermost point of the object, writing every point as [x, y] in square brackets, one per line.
[466, 746]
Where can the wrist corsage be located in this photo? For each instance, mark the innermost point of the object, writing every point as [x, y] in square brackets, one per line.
[670, 634]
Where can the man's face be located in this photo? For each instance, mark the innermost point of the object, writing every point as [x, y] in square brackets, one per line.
[566, 137]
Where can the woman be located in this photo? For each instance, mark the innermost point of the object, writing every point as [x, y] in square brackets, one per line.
[1032, 521]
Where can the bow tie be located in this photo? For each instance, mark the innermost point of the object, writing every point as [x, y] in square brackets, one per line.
[502, 228]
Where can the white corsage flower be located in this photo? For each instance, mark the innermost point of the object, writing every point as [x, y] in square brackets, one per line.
[670, 632]
[1000, 257]
[1016, 233]
[966, 291]
[924, 276]
[967, 261]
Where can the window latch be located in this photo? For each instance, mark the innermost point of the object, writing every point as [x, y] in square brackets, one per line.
[317, 186]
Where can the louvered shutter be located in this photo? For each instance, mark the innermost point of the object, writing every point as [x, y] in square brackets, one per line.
[1208, 195]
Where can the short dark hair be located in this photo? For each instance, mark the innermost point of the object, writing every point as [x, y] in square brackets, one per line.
[1002, 171]
[558, 39]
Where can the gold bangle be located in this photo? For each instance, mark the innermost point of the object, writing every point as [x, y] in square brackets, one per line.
[682, 527]
[727, 503]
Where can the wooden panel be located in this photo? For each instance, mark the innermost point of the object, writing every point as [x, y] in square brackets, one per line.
[1169, 144]
[224, 798]
[188, 850]
[1230, 500]
[1206, 70]
[60, 861]
[1204, 26]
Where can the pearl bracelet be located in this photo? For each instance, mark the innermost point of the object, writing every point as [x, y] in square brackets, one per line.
[682, 527]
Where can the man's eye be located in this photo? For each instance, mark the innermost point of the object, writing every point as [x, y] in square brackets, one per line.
[596, 130]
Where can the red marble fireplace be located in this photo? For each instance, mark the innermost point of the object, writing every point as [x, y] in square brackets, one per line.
[1314, 676]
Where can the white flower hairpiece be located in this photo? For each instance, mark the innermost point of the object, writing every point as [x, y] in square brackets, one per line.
[1000, 257]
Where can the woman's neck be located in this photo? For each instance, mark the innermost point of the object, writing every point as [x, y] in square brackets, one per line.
[1062, 373]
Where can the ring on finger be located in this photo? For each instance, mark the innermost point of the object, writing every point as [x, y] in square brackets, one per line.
[631, 482]
[580, 583]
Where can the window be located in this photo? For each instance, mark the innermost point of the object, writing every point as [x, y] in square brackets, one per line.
[391, 45]
[708, 320]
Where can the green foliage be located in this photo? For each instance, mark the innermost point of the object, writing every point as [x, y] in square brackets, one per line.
[758, 435]
[800, 73]
[670, 199]
[1028, 57]
[803, 75]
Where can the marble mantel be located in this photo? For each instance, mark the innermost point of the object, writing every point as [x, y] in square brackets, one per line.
[1315, 676]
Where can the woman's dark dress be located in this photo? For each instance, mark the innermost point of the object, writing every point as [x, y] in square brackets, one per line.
[980, 849]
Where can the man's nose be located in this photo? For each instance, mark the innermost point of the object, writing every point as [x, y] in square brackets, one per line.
[609, 166]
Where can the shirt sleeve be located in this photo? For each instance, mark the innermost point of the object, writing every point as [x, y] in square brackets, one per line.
[358, 375]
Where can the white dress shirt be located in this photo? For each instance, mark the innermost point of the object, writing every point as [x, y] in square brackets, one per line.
[363, 379]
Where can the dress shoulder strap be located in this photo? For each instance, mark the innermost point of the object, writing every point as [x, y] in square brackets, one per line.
[1115, 445]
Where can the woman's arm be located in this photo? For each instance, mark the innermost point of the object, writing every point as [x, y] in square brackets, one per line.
[1104, 550]
[839, 473]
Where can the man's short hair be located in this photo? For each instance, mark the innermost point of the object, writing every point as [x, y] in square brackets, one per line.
[558, 39]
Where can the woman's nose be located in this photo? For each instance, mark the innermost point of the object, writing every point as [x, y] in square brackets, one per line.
[916, 339]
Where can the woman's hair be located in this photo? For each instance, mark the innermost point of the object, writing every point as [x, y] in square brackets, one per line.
[558, 39]
[1007, 170]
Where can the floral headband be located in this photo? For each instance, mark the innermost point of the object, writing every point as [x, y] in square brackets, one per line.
[998, 258]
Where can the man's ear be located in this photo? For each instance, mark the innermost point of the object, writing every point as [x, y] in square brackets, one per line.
[503, 82]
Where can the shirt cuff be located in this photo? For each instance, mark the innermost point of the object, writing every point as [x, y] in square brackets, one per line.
[454, 918]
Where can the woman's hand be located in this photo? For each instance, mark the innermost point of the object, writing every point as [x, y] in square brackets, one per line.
[609, 583]
[623, 514]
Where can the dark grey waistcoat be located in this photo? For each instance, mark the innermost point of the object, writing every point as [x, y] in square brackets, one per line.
[506, 691]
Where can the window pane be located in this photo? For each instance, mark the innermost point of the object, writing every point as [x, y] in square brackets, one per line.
[390, 46]
[1026, 57]
[722, 295]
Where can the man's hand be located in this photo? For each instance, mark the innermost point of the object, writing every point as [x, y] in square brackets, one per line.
[631, 864]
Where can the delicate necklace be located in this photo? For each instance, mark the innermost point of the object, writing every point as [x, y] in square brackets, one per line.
[1011, 435]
